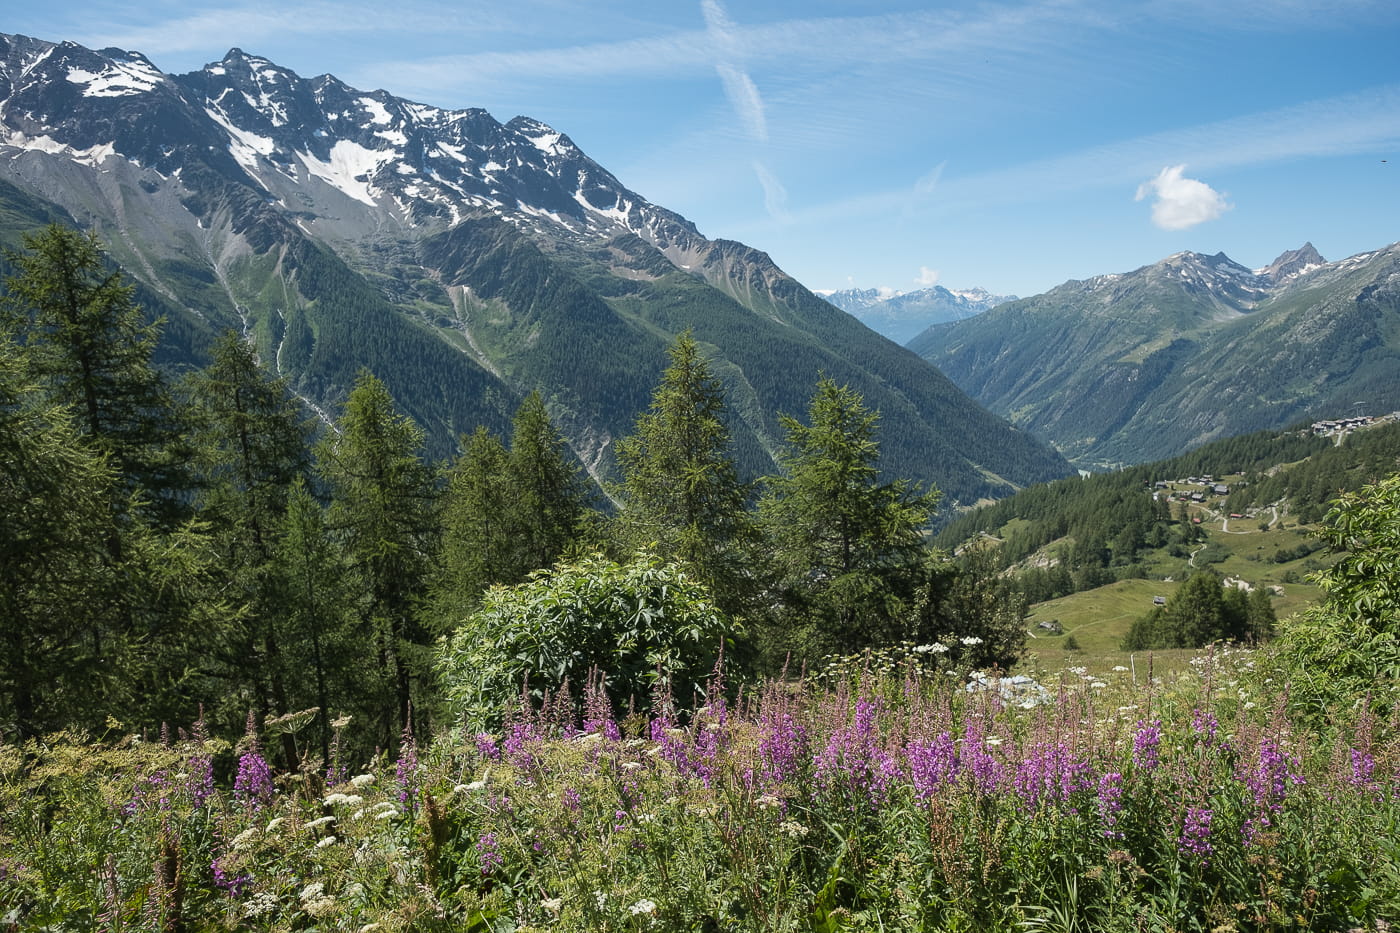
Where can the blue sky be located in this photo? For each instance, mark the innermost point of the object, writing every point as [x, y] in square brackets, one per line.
[880, 143]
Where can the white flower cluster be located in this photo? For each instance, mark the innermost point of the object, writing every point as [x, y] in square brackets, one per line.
[343, 800]
[259, 904]
[315, 901]
[362, 780]
[792, 829]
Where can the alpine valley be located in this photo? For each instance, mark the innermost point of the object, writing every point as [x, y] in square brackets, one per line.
[464, 261]
[1141, 366]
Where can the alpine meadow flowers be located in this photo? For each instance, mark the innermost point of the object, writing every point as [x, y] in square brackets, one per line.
[899, 801]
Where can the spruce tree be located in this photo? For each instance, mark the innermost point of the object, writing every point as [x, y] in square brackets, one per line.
[550, 497]
[479, 545]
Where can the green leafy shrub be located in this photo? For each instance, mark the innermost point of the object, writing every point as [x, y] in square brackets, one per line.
[637, 621]
[1349, 646]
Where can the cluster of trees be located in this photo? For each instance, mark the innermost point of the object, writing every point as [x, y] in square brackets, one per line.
[164, 547]
[1204, 611]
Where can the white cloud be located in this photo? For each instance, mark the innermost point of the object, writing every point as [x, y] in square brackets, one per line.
[774, 194]
[1181, 202]
[738, 86]
[744, 98]
[927, 277]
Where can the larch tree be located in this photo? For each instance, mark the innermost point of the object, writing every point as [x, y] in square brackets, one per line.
[384, 511]
[250, 444]
[681, 494]
[849, 547]
[92, 349]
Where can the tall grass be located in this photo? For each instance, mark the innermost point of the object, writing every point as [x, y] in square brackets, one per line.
[895, 802]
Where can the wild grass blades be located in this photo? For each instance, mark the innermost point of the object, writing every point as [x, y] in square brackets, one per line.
[898, 801]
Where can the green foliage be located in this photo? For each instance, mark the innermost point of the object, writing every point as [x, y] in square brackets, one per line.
[1350, 645]
[56, 492]
[91, 350]
[506, 514]
[1200, 612]
[636, 622]
[681, 495]
[848, 548]
[384, 513]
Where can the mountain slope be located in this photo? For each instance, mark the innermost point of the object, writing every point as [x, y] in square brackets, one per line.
[465, 261]
[1133, 367]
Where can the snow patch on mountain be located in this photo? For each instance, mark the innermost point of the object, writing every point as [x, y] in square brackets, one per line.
[350, 168]
[377, 112]
[118, 79]
[243, 145]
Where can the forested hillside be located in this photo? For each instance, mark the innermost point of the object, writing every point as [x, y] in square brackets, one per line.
[1078, 534]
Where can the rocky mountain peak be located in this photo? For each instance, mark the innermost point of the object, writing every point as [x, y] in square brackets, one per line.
[1293, 263]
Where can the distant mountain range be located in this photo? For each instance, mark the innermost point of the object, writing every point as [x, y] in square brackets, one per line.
[1143, 365]
[465, 261]
[902, 316]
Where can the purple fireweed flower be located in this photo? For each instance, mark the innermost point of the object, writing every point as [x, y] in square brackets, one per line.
[149, 792]
[486, 746]
[520, 745]
[488, 853]
[200, 784]
[1363, 768]
[252, 786]
[854, 759]
[1195, 834]
[931, 764]
[1269, 779]
[571, 798]
[782, 747]
[1049, 773]
[1109, 803]
[978, 761]
[231, 885]
[1204, 723]
[1146, 744]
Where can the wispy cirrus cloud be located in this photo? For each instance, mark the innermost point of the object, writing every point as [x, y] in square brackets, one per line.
[739, 88]
[774, 194]
[1364, 122]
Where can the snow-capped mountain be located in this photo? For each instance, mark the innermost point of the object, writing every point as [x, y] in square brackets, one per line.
[464, 260]
[901, 316]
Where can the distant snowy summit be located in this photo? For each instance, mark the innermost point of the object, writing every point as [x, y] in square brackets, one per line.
[902, 316]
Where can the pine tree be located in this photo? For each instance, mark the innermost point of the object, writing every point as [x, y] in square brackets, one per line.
[849, 546]
[383, 509]
[681, 494]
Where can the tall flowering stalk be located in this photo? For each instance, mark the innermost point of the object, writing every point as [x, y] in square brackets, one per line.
[252, 786]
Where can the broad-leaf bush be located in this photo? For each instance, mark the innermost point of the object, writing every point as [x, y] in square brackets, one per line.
[1349, 647]
[636, 621]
